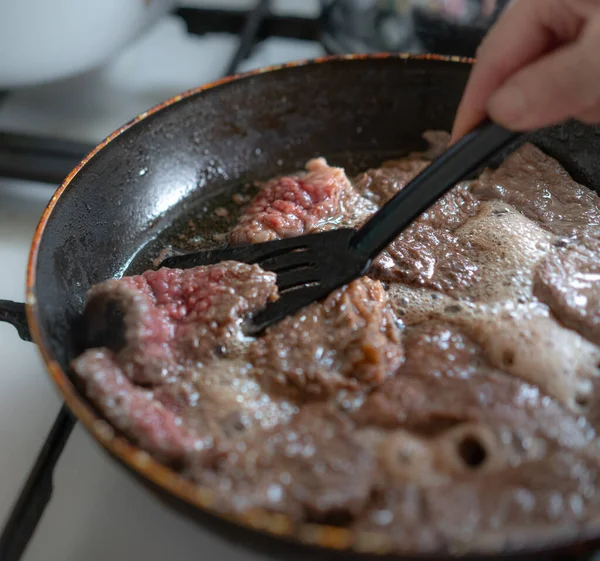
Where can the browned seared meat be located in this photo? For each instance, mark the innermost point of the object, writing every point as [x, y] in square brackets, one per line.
[172, 316]
[518, 505]
[380, 184]
[349, 341]
[429, 258]
[437, 348]
[428, 398]
[223, 399]
[568, 281]
[429, 406]
[487, 511]
[452, 210]
[475, 441]
[427, 253]
[292, 206]
[315, 467]
[539, 187]
[453, 408]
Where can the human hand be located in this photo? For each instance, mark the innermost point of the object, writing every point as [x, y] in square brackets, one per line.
[538, 65]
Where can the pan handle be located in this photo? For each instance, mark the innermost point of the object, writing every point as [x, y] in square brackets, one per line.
[39, 158]
[14, 313]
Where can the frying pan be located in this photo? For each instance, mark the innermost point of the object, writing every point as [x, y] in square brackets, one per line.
[182, 155]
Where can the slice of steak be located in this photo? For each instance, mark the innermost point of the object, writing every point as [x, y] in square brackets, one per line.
[430, 406]
[186, 416]
[315, 468]
[534, 504]
[349, 341]
[164, 387]
[507, 454]
[545, 500]
[428, 399]
[568, 280]
[428, 254]
[425, 257]
[440, 349]
[171, 317]
[539, 187]
[380, 184]
[133, 410]
[317, 200]
[472, 434]
[527, 343]
[223, 399]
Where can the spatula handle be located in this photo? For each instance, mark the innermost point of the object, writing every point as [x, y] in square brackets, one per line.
[454, 165]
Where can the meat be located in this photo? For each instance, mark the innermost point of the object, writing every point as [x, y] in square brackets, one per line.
[447, 401]
[223, 400]
[133, 410]
[315, 467]
[380, 184]
[529, 500]
[569, 282]
[472, 440]
[302, 204]
[428, 253]
[539, 187]
[439, 348]
[429, 399]
[535, 348]
[486, 514]
[172, 316]
[348, 342]
[505, 247]
[489, 257]
[175, 323]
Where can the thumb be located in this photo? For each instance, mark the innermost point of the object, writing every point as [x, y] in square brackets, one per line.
[563, 84]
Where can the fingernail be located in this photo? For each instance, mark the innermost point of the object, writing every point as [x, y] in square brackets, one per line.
[507, 105]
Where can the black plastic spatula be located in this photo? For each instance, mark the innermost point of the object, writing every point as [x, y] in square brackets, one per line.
[310, 267]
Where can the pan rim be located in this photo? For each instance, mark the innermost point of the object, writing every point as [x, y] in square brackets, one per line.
[276, 525]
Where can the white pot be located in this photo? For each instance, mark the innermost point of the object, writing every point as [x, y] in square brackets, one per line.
[44, 40]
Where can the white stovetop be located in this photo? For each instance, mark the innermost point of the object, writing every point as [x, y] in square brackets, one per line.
[98, 512]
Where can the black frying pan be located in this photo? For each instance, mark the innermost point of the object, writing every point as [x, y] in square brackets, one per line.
[183, 155]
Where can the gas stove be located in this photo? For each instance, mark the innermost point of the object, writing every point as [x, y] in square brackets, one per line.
[97, 512]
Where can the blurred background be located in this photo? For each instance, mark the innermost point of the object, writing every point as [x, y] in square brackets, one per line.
[76, 69]
[71, 72]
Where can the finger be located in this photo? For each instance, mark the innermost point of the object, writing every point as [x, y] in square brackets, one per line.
[526, 30]
[562, 84]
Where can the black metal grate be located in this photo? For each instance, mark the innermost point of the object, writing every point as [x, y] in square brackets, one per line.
[50, 160]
